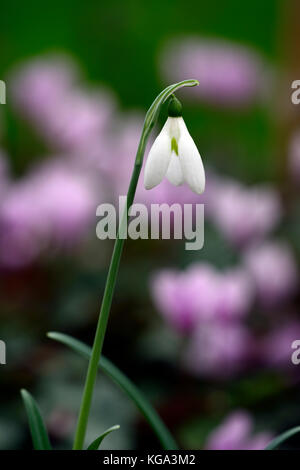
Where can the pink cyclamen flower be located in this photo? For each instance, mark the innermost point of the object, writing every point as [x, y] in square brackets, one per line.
[79, 119]
[201, 293]
[244, 214]
[229, 74]
[67, 198]
[236, 433]
[54, 204]
[23, 231]
[235, 294]
[71, 119]
[40, 85]
[181, 297]
[274, 271]
[219, 350]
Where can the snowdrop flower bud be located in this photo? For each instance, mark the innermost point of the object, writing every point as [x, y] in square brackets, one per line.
[175, 155]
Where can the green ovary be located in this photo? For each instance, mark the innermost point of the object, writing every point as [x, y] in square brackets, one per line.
[174, 146]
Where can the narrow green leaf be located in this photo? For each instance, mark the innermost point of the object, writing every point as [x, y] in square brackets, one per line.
[36, 425]
[96, 443]
[282, 437]
[126, 385]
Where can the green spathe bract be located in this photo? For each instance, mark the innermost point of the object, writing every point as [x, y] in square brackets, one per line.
[175, 107]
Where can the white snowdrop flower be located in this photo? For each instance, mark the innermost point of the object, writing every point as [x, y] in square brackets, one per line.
[175, 155]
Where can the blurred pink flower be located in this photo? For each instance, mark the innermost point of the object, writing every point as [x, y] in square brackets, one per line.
[236, 433]
[235, 294]
[79, 120]
[53, 204]
[274, 271]
[228, 74]
[219, 350]
[22, 226]
[201, 293]
[276, 347]
[70, 119]
[67, 198]
[182, 297]
[244, 214]
[39, 85]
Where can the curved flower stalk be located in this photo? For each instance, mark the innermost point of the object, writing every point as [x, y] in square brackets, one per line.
[150, 120]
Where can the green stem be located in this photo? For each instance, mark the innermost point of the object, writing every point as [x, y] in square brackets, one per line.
[149, 123]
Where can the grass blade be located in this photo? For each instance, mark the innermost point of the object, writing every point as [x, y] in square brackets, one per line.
[282, 438]
[37, 427]
[96, 443]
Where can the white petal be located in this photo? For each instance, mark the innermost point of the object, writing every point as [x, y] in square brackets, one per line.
[190, 159]
[174, 173]
[158, 159]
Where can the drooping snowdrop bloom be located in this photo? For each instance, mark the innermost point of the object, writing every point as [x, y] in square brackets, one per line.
[175, 155]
